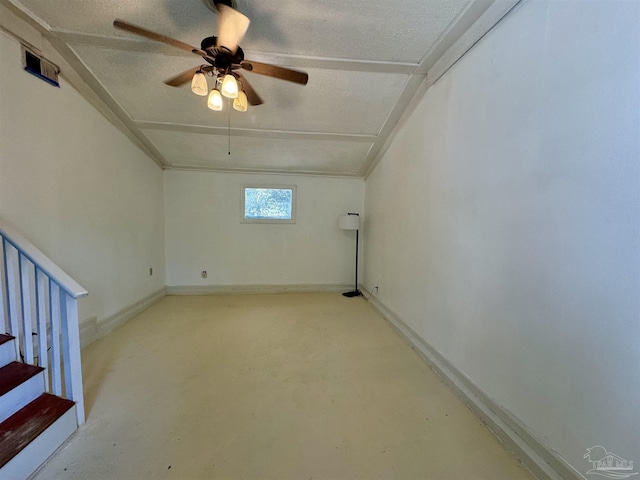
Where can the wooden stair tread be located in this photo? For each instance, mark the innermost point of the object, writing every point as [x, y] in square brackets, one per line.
[17, 431]
[15, 373]
[5, 338]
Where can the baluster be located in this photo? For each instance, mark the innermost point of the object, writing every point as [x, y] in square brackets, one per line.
[4, 321]
[41, 315]
[71, 347]
[54, 305]
[25, 297]
[9, 254]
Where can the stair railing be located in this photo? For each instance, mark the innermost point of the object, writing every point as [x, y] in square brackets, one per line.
[39, 306]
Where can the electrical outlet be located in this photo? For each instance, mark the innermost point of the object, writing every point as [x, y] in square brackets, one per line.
[150, 270]
[204, 274]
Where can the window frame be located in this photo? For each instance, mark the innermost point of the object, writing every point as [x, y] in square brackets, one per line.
[293, 189]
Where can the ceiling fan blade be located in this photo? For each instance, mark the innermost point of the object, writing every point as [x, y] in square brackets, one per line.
[182, 78]
[143, 32]
[282, 73]
[253, 98]
[232, 25]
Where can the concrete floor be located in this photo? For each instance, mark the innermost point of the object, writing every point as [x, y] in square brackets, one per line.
[296, 386]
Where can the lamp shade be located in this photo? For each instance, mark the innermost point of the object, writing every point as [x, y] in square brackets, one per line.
[349, 222]
[240, 103]
[229, 86]
[214, 102]
[199, 84]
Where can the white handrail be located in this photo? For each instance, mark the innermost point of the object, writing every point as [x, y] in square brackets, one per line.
[68, 284]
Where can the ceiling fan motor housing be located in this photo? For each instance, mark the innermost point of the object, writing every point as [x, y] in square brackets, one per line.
[221, 58]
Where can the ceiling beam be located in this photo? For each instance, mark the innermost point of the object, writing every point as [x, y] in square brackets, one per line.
[263, 171]
[116, 42]
[489, 19]
[404, 101]
[255, 132]
[456, 29]
[300, 61]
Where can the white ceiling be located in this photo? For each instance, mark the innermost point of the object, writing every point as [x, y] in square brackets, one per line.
[365, 60]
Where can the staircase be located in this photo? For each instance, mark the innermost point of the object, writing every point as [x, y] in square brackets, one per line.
[41, 400]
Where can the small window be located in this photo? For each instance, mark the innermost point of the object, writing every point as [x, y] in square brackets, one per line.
[268, 204]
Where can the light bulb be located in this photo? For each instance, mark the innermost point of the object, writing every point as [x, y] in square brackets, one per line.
[229, 86]
[240, 103]
[199, 84]
[214, 102]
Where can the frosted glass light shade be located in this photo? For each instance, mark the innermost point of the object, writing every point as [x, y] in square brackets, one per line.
[199, 84]
[214, 102]
[229, 86]
[240, 103]
[349, 222]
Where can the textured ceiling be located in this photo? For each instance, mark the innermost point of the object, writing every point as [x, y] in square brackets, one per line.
[365, 60]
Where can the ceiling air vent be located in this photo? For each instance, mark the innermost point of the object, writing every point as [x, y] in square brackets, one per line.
[40, 67]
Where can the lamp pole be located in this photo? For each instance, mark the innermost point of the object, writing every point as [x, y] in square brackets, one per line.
[356, 286]
[348, 225]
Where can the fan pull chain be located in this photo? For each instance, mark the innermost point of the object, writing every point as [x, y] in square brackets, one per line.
[229, 124]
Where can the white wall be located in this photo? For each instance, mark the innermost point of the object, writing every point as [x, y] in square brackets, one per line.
[503, 222]
[203, 232]
[78, 189]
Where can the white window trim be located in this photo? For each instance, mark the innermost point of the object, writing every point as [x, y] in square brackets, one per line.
[268, 220]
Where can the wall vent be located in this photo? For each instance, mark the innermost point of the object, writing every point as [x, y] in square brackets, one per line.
[40, 67]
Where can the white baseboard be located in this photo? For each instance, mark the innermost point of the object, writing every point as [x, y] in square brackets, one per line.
[535, 455]
[91, 329]
[254, 289]
[88, 331]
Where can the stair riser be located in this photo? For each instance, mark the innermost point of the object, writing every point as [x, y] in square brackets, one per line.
[24, 393]
[37, 452]
[7, 353]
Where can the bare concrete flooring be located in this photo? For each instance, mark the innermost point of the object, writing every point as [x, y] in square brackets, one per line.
[296, 386]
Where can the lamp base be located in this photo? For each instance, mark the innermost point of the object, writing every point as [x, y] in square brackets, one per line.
[355, 293]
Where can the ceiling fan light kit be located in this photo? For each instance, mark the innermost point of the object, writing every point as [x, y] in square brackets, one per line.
[224, 59]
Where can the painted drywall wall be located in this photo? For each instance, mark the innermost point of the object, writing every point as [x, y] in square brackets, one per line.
[516, 254]
[204, 232]
[78, 189]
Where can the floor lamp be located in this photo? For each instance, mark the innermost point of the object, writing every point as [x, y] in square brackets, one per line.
[351, 221]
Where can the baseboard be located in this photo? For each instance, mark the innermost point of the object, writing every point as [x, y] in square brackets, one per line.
[91, 329]
[253, 289]
[88, 331]
[535, 455]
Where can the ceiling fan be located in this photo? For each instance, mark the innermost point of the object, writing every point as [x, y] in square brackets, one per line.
[225, 59]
